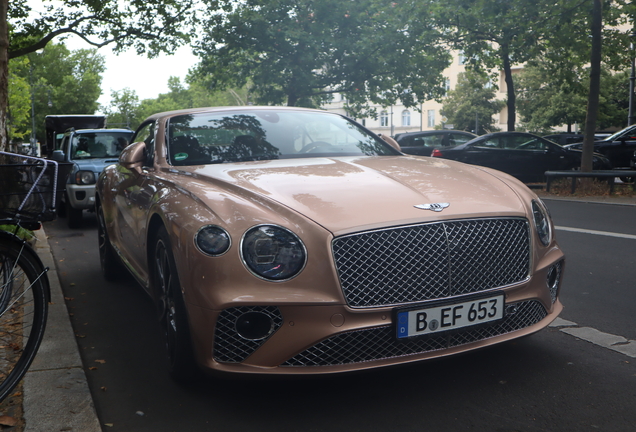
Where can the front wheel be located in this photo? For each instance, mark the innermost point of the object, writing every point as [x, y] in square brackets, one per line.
[112, 267]
[75, 217]
[24, 292]
[172, 311]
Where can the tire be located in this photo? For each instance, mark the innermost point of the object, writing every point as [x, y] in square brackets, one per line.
[627, 179]
[75, 217]
[112, 268]
[24, 295]
[172, 312]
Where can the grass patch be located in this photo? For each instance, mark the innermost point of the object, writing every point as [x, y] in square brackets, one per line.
[22, 233]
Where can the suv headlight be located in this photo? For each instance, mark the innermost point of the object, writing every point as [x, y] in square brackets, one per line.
[542, 222]
[273, 253]
[85, 177]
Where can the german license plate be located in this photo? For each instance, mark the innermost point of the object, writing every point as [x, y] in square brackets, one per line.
[440, 317]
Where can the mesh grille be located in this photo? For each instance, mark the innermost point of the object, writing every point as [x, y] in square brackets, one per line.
[554, 288]
[430, 261]
[229, 347]
[380, 342]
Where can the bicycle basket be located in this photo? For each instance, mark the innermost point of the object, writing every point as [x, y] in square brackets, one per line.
[29, 187]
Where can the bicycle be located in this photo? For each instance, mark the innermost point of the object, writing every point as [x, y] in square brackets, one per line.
[28, 196]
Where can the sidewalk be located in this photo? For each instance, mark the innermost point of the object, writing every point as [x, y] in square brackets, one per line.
[56, 394]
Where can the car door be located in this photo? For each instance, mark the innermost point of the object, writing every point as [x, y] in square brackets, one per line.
[530, 157]
[486, 152]
[621, 149]
[134, 193]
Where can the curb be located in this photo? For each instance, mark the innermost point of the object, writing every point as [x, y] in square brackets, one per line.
[56, 393]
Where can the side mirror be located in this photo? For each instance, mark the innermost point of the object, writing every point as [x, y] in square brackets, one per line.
[133, 156]
[57, 155]
[393, 143]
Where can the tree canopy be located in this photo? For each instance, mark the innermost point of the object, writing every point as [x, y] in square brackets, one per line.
[472, 102]
[299, 52]
[126, 110]
[59, 81]
[148, 26]
[501, 33]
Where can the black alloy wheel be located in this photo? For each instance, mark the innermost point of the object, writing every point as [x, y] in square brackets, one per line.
[112, 268]
[173, 315]
[75, 217]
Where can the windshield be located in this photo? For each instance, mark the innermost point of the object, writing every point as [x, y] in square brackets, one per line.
[240, 136]
[99, 145]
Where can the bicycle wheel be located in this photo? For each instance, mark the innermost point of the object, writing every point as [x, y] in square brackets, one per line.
[24, 291]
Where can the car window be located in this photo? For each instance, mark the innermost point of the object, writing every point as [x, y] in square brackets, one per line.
[96, 145]
[238, 136]
[457, 139]
[488, 143]
[532, 144]
[428, 141]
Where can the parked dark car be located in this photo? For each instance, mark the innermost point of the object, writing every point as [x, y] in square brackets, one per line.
[522, 155]
[422, 143]
[618, 148]
[565, 138]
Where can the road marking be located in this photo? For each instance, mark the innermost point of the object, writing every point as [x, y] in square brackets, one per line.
[603, 233]
[605, 340]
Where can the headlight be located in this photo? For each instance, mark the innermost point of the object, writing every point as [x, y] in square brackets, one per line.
[273, 253]
[85, 177]
[542, 223]
[213, 240]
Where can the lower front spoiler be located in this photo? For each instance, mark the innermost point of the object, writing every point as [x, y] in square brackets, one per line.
[374, 347]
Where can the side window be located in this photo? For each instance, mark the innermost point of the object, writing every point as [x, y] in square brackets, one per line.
[532, 144]
[457, 139]
[491, 143]
[146, 133]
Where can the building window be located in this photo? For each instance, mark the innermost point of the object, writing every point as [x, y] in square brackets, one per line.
[461, 58]
[384, 119]
[406, 118]
[431, 118]
[447, 84]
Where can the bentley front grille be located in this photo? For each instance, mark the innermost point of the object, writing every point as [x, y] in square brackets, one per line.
[229, 345]
[422, 262]
[380, 342]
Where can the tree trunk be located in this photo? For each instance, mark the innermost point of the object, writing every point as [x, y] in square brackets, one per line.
[595, 86]
[4, 73]
[510, 88]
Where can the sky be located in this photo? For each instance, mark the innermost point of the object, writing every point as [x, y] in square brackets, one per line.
[147, 77]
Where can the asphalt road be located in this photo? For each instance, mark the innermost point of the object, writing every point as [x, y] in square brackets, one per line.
[550, 381]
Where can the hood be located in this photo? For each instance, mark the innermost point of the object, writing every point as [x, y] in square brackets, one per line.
[95, 165]
[351, 194]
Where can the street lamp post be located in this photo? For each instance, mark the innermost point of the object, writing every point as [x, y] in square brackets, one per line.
[632, 78]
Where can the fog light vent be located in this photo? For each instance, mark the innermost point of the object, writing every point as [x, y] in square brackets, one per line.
[242, 330]
[254, 325]
[554, 280]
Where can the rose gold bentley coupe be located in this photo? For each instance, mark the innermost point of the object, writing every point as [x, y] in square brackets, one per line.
[292, 241]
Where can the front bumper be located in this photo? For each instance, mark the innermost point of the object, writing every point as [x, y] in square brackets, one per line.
[81, 197]
[319, 339]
